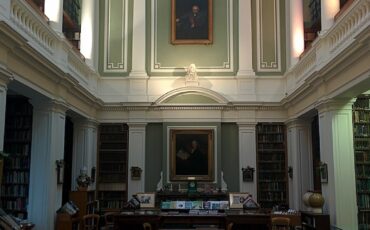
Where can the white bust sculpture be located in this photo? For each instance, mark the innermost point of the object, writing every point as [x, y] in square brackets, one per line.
[160, 183]
[191, 73]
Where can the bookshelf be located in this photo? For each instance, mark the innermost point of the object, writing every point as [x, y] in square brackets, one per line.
[112, 167]
[361, 135]
[271, 165]
[17, 142]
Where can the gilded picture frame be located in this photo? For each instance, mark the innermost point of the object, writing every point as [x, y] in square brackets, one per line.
[191, 22]
[191, 154]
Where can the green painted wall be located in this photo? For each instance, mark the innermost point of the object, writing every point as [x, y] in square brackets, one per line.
[190, 99]
[156, 152]
[268, 31]
[116, 41]
[230, 155]
[153, 155]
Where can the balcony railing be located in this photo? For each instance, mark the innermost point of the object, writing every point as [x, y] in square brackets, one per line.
[329, 45]
[36, 29]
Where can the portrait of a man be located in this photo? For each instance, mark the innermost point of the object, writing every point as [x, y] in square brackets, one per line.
[191, 154]
[191, 21]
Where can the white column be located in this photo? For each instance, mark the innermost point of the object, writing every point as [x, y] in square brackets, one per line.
[336, 148]
[248, 156]
[329, 8]
[54, 11]
[138, 40]
[296, 31]
[5, 77]
[84, 148]
[300, 159]
[136, 156]
[89, 24]
[45, 195]
[4, 9]
[245, 39]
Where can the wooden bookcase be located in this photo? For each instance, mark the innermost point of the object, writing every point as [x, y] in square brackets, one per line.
[112, 167]
[17, 142]
[271, 165]
[361, 135]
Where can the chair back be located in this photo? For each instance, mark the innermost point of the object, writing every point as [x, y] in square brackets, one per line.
[280, 223]
[90, 222]
[109, 220]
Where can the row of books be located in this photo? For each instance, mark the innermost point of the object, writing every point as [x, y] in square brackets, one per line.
[363, 201]
[270, 177]
[270, 128]
[20, 177]
[18, 163]
[364, 221]
[24, 135]
[271, 186]
[272, 166]
[111, 204]
[272, 196]
[361, 145]
[17, 205]
[113, 156]
[362, 102]
[363, 170]
[21, 108]
[115, 145]
[18, 149]
[198, 204]
[272, 157]
[362, 156]
[113, 166]
[363, 185]
[271, 146]
[271, 138]
[361, 130]
[20, 122]
[361, 116]
[14, 191]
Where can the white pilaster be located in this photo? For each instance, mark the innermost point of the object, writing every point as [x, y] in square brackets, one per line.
[336, 147]
[45, 195]
[136, 156]
[329, 8]
[84, 148]
[296, 31]
[5, 77]
[54, 11]
[89, 25]
[4, 9]
[247, 156]
[245, 39]
[300, 159]
[138, 40]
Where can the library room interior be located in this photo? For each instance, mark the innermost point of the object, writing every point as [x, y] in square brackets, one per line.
[185, 114]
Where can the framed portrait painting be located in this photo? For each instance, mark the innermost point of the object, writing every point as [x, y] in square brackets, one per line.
[191, 21]
[147, 200]
[191, 154]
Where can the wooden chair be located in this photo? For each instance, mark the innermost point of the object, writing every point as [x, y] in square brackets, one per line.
[147, 226]
[230, 226]
[109, 220]
[90, 222]
[280, 223]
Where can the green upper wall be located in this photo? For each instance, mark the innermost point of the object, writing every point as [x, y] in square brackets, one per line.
[165, 59]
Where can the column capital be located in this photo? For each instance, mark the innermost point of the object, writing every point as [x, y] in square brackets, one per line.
[246, 125]
[334, 104]
[85, 122]
[53, 105]
[296, 122]
[5, 77]
[136, 125]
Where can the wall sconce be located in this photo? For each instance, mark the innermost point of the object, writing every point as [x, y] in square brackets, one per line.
[60, 171]
[323, 172]
[93, 172]
[248, 174]
[290, 172]
[135, 173]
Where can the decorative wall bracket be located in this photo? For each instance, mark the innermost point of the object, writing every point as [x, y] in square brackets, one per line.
[290, 172]
[248, 174]
[135, 173]
[60, 170]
